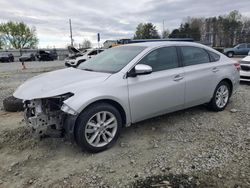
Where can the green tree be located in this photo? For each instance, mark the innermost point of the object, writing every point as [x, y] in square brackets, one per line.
[185, 31]
[1, 42]
[174, 34]
[146, 31]
[18, 35]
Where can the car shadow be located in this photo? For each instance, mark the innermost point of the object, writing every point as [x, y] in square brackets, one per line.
[174, 120]
[245, 83]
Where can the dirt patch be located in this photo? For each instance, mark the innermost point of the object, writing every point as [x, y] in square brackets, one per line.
[174, 181]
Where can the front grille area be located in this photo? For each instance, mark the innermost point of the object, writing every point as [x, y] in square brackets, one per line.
[245, 68]
[245, 77]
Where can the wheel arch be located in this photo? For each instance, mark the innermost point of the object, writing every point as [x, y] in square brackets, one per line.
[230, 84]
[71, 120]
[114, 103]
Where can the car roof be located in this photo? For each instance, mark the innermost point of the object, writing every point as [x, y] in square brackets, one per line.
[166, 43]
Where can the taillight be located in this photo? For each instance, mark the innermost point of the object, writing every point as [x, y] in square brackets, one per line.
[237, 66]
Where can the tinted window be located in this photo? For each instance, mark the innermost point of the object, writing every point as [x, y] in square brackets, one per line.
[213, 56]
[194, 55]
[248, 45]
[161, 59]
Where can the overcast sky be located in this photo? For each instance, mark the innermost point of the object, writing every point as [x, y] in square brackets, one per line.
[114, 19]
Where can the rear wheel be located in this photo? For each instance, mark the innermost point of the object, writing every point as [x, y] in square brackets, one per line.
[221, 97]
[98, 127]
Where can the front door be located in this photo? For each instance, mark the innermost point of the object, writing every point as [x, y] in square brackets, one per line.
[161, 91]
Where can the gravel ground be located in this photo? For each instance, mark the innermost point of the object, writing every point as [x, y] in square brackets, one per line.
[189, 148]
[12, 75]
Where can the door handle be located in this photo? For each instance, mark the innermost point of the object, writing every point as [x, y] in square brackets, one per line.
[178, 77]
[215, 69]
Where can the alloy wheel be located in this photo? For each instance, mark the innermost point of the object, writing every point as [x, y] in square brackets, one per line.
[101, 129]
[222, 96]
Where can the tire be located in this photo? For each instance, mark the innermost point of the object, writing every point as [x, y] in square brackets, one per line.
[214, 104]
[87, 127]
[12, 104]
[230, 54]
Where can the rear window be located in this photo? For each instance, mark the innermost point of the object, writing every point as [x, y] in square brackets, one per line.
[213, 56]
[194, 55]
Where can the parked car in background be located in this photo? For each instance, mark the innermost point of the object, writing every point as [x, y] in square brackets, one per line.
[43, 55]
[73, 54]
[78, 60]
[245, 68]
[124, 85]
[240, 49]
[6, 57]
[27, 57]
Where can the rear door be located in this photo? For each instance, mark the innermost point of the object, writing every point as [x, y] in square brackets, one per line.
[200, 75]
[161, 91]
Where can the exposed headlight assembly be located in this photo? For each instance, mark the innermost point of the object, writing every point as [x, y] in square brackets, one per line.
[65, 108]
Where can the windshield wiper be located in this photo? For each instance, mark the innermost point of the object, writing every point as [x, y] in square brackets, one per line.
[86, 69]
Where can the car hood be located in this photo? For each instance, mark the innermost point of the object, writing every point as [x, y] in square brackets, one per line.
[247, 58]
[73, 50]
[229, 49]
[59, 82]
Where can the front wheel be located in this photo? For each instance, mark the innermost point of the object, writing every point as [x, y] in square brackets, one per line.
[221, 97]
[230, 54]
[98, 127]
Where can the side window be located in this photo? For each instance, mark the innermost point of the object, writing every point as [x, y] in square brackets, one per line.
[242, 46]
[214, 56]
[161, 59]
[248, 45]
[194, 56]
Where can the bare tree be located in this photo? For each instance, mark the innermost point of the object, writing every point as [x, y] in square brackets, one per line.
[86, 44]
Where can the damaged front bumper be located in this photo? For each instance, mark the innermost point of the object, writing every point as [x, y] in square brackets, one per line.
[47, 116]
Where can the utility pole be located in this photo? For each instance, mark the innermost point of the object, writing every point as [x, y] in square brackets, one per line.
[70, 29]
[98, 39]
[163, 28]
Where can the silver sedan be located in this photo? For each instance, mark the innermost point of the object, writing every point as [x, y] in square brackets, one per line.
[125, 85]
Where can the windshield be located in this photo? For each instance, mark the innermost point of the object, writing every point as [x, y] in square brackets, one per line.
[112, 60]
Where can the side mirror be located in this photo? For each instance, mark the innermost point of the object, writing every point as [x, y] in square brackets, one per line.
[140, 69]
